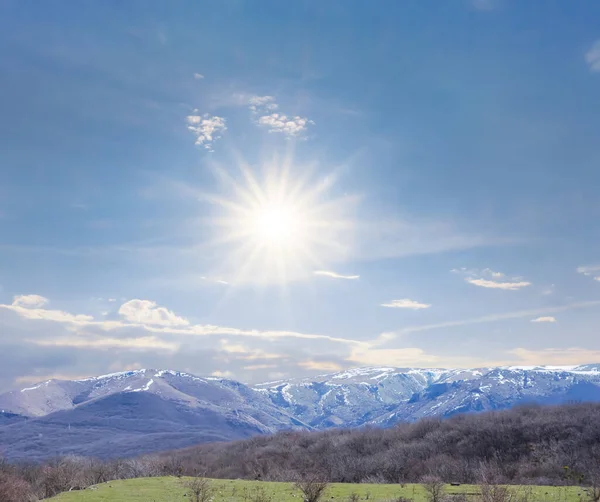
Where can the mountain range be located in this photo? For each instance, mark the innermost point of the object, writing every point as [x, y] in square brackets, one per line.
[143, 411]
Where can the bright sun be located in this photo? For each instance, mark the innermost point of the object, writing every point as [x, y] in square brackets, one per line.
[277, 224]
[279, 227]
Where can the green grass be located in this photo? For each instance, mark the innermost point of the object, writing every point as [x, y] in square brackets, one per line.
[169, 489]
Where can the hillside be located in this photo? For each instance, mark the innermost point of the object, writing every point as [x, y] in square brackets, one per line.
[115, 415]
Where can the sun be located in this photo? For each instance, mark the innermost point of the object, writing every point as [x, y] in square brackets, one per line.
[275, 226]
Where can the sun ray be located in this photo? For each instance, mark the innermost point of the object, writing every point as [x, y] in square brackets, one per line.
[276, 224]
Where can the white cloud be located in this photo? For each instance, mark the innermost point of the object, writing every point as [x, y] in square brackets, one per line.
[198, 76]
[262, 103]
[206, 128]
[406, 357]
[544, 319]
[592, 57]
[588, 270]
[491, 273]
[556, 356]
[406, 304]
[139, 343]
[597, 278]
[147, 315]
[288, 125]
[493, 318]
[335, 275]
[280, 123]
[320, 365]
[510, 286]
[29, 301]
[148, 312]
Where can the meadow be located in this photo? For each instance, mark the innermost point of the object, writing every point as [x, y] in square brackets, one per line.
[171, 489]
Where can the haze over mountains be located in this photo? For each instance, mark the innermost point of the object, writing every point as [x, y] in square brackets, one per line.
[134, 412]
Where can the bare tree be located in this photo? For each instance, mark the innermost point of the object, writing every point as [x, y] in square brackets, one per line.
[14, 489]
[312, 487]
[434, 487]
[201, 489]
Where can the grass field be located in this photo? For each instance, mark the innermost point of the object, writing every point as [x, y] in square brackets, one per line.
[169, 489]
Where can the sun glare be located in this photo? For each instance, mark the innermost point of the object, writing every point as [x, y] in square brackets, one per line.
[278, 226]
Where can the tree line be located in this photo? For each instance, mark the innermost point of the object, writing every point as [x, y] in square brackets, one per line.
[526, 445]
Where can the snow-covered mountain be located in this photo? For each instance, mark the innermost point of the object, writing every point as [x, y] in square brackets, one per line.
[384, 396]
[133, 412]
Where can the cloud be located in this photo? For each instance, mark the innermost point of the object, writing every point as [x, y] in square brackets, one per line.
[556, 356]
[212, 279]
[262, 103]
[140, 343]
[592, 57]
[41, 314]
[588, 270]
[198, 76]
[544, 319]
[335, 275]
[493, 318]
[29, 301]
[510, 286]
[320, 365]
[486, 278]
[288, 125]
[206, 128]
[406, 304]
[147, 312]
[146, 315]
[406, 357]
[491, 273]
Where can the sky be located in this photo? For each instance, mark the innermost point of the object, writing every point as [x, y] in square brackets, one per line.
[267, 190]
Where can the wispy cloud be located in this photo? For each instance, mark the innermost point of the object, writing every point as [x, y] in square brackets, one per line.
[198, 76]
[148, 316]
[207, 128]
[139, 343]
[320, 365]
[544, 319]
[556, 356]
[592, 57]
[335, 275]
[289, 125]
[588, 270]
[29, 301]
[406, 304]
[487, 278]
[262, 103]
[511, 286]
[493, 318]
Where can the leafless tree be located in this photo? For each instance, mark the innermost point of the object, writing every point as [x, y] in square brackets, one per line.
[312, 487]
[201, 489]
[14, 489]
[434, 487]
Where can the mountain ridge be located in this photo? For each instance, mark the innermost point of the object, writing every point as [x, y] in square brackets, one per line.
[178, 409]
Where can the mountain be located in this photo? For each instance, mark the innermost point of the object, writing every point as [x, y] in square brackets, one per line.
[134, 412]
[385, 396]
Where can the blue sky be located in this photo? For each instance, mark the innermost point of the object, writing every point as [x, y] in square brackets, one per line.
[272, 189]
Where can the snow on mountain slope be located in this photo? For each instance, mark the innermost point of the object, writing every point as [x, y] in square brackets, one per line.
[384, 396]
[151, 410]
